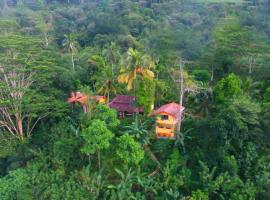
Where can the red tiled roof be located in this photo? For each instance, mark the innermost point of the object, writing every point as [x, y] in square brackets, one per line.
[172, 109]
[124, 103]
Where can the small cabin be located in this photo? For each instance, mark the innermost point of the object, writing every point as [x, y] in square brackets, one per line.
[168, 118]
[125, 106]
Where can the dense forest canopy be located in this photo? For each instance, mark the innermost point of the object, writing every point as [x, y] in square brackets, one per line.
[210, 56]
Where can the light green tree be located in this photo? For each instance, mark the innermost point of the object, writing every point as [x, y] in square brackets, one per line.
[128, 150]
[96, 138]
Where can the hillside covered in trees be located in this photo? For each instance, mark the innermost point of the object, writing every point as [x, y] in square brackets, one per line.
[84, 85]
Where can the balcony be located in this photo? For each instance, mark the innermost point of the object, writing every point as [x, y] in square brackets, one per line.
[164, 132]
[164, 129]
[166, 123]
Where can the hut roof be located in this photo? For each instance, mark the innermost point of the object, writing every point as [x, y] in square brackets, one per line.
[172, 109]
[124, 103]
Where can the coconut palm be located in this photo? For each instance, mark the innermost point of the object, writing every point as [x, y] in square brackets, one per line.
[108, 81]
[135, 65]
[123, 188]
[70, 44]
[112, 55]
[251, 87]
[202, 102]
[139, 131]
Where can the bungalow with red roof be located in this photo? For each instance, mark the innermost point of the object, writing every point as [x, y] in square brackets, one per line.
[168, 118]
[125, 105]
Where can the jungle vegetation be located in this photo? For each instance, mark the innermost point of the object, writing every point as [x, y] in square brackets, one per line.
[50, 149]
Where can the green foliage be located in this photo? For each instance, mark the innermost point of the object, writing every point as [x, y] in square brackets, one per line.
[63, 149]
[16, 185]
[227, 88]
[145, 95]
[262, 178]
[107, 115]
[230, 165]
[201, 75]
[199, 195]
[96, 137]
[60, 46]
[267, 95]
[7, 145]
[128, 150]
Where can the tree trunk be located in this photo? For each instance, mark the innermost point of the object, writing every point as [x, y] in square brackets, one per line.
[46, 39]
[84, 109]
[112, 69]
[99, 164]
[181, 95]
[72, 61]
[108, 97]
[89, 160]
[19, 127]
[250, 62]
[212, 73]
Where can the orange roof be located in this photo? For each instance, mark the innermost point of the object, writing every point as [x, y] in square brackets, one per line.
[172, 109]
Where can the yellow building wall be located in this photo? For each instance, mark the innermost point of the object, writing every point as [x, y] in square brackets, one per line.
[165, 128]
[102, 100]
[171, 120]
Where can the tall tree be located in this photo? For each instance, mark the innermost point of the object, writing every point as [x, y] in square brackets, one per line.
[96, 138]
[107, 79]
[135, 64]
[22, 104]
[70, 44]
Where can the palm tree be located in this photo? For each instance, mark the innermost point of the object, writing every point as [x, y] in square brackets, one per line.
[70, 44]
[202, 101]
[108, 81]
[139, 131]
[251, 87]
[123, 188]
[112, 55]
[133, 65]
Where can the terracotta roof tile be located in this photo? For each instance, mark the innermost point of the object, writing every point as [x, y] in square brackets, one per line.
[172, 109]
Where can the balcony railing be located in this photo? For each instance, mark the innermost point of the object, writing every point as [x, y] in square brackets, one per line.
[164, 133]
[166, 122]
[164, 130]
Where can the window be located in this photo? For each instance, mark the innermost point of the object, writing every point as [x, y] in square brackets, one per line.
[164, 117]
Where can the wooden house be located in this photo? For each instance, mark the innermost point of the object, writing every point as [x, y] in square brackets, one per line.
[125, 105]
[168, 118]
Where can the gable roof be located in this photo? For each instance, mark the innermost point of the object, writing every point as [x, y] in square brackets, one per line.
[124, 103]
[172, 109]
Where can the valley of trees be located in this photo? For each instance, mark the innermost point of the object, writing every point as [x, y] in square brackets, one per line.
[213, 57]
